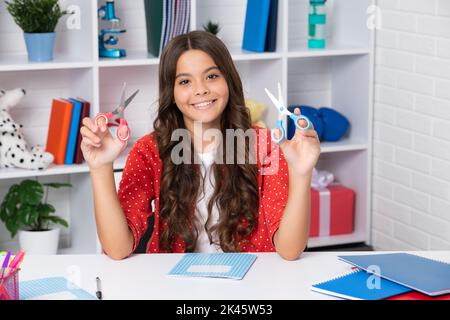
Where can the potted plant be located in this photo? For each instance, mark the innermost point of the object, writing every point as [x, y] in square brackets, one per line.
[38, 20]
[22, 210]
[212, 27]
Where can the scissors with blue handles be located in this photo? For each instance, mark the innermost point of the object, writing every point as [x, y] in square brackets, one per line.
[283, 111]
[116, 118]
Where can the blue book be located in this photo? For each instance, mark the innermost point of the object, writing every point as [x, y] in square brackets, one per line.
[421, 274]
[214, 265]
[73, 131]
[255, 27]
[271, 37]
[360, 285]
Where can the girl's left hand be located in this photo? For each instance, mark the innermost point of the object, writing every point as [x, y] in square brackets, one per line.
[302, 151]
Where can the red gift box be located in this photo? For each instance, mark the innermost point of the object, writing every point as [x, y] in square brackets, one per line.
[332, 211]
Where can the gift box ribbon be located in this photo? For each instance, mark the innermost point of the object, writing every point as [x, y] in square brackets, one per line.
[324, 211]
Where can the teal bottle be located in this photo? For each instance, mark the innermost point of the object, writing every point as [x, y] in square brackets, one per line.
[316, 24]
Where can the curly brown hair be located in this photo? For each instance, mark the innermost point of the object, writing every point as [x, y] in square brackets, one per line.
[236, 185]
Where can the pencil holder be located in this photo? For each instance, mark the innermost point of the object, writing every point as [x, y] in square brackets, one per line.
[9, 286]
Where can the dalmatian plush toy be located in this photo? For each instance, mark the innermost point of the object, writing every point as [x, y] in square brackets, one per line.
[14, 151]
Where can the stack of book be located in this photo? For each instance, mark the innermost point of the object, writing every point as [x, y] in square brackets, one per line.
[391, 276]
[165, 19]
[260, 28]
[63, 138]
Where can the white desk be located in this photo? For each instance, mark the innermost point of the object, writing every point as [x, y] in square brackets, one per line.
[145, 276]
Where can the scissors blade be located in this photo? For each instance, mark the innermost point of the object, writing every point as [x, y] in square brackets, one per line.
[122, 97]
[127, 102]
[280, 95]
[281, 109]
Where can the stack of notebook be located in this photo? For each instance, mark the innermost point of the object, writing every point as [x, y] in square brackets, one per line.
[64, 138]
[393, 276]
[165, 19]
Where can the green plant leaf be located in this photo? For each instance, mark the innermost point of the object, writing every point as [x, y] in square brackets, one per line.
[57, 220]
[31, 192]
[27, 215]
[22, 206]
[35, 16]
[57, 185]
[13, 226]
[8, 205]
[45, 209]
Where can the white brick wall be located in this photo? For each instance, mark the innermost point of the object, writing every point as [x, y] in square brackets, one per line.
[411, 182]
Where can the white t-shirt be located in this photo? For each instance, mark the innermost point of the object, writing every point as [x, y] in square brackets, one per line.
[203, 244]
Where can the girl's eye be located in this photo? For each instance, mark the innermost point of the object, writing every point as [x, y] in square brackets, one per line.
[183, 82]
[213, 76]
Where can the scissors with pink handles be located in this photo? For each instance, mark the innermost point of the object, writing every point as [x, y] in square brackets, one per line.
[116, 118]
[282, 110]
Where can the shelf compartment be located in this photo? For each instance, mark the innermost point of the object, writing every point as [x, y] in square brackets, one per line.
[345, 166]
[134, 40]
[346, 28]
[340, 83]
[231, 17]
[33, 111]
[73, 47]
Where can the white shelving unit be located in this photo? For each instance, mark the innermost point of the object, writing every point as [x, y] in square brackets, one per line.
[339, 76]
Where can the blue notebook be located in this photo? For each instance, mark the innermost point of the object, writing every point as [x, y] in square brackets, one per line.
[271, 36]
[360, 285]
[255, 27]
[55, 288]
[214, 265]
[421, 274]
[73, 131]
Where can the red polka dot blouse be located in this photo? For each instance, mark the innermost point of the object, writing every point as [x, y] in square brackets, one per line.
[140, 185]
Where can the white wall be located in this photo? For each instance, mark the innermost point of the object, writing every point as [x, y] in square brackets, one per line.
[411, 176]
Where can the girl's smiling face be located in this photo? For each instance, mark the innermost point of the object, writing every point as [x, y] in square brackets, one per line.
[200, 89]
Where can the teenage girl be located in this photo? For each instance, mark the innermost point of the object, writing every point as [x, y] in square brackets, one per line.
[204, 205]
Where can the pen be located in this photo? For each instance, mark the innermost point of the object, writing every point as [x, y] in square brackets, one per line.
[98, 293]
[5, 263]
[15, 263]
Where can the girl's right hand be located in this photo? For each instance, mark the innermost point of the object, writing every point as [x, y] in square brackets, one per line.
[99, 147]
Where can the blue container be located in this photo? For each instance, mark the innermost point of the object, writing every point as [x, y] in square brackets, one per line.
[316, 24]
[335, 123]
[40, 46]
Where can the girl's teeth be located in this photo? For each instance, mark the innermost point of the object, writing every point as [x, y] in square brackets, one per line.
[204, 104]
